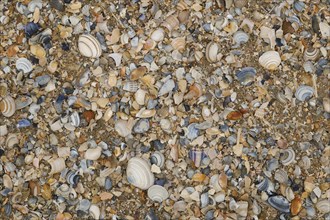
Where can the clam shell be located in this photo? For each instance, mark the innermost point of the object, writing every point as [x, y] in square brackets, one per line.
[309, 67]
[7, 106]
[140, 96]
[75, 119]
[323, 206]
[157, 193]
[139, 174]
[288, 156]
[212, 52]
[57, 165]
[11, 140]
[304, 93]
[95, 212]
[93, 153]
[171, 22]
[240, 37]
[89, 46]
[311, 54]
[279, 203]
[158, 35]
[23, 64]
[270, 60]
[167, 87]
[158, 159]
[179, 43]
[131, 86]
[246, 75]
[281, 176]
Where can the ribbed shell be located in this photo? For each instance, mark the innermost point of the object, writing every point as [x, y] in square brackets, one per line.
[157, 193]
[23, 64]
[288, 156]
[304, 92]
[270, 60]
[171, 22]
[7, 106]
[139, 174]
[89, 46]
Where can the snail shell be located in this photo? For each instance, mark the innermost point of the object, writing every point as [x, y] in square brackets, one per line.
[158, 159]
[279, 203]
[311, 54]
[157, 193]
[93, 153]
[57, 165]
[212, 52]
[270, 60]
[171, 22]
[23, 64]
[288, 156]
[89, 46]
[158, 35]
[139, 173]
[7, 106]
[304, 93]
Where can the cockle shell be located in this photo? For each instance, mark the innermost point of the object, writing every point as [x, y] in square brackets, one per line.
[158, 159]
[270, 60]
[171, 22]
[7, 106]
[246, 75]
[23, 64]
[279, 203]
[157, 193]
[89, 46]
[179, 43]
[240, 37]
[57, 165]
[212, 52]
[11, 140]
[95, 212]
[303, 93]
[93, 153]
[311, 54]
[288, 156]
[139, 173]
[323, 206]
[266, 186]
[158, 35]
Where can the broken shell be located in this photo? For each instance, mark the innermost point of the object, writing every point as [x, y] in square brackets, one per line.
[240, 37]
[304, 93]
[171, 22]
[281, 176]
[246, 75]
[158, 35]
[288, 156]
[116, 57]
[179, 44]
[242, 208]
[140, 96]
[157, 193]
[89, 46]
[266, 186]
[146, 113]
[3, 89]
[94, 211]
[93, 153]
[296, 205]
[158, 159]
[279, 203]
[138, 72]
[323, 206]
[11, 140]
[57, 165]
[131, 86]
[38, 51]
[195, 91]
[212, 52]
[326, 104]
[139, 174]
[122, 127]
[7, 106]
[23, 64]
[197, 156]
[305, 162]
[270, 60]
[311, 54]
[309, 67]
[75, 119]
[167, 87]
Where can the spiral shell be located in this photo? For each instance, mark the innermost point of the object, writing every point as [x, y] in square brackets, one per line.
[212, 52]
[157, 193]
[158, 159]
[288, 156]
[158, 35]
[171, 22]
[57, 165]
[311, 54]
[89, 46]
[179, 43]
[23, 64]
[304, 93]
[7, 106]
[139, 173]
[279, 203]
[270, 60]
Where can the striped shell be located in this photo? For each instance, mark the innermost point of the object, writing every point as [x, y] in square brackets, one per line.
[270, 60]
[171, 22]
[281, 176]
[89, 46]
[139, 174]
[179, 43]
[240, 37]
[279, 203]
[23, 64]
[304, 92]
[288, 156]
[131, 86]
[157, 193]
[158, 159]
[323, 206]
[57, 165]
[7, 106]
[246, 75]
[212, 52]
[311, 54]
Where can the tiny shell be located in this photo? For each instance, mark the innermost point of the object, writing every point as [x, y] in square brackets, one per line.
[57, 165]
[89, 46]
[246, 75]
[23, 64]
[288, 156]
[212, 52]
[7, 106]
[309, 67]
[158, 35]
[304, 93]
[171, 22]
[157, 193]
[122, 128]
[139, 174]
[95, 212]
[158, 159]
[93, 153]
[279, 203]
[270, 60]
[326, 104]
[131, 86]
[240, 37]
[281, 176]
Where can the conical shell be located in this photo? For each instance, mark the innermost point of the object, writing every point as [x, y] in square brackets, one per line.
[270, 60]
[212, 52]
[89, 46]
[157, 193]
[7, 106]
[57, 165]
[23, 64]
[139, 173]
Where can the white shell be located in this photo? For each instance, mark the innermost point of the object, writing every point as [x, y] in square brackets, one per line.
[171, 22]
[304, 92]
[116, 57]
[158, 35]
[122, 127]
[158, 159]
[270, 60]
[75, 119]
[140, 96]
[94, 211]
[157, 193]
[240, 37]
[34, 4]
[167, 87]
[89, 46]
[57, 165]
[212, 52]
[309, 67]
[139, 173]
[326, 104]
[3, 130]
[305, 162]
[323, 206]
[131, 86]
[7, 106]
[23, 64]
[11, 140]
[288, 156]
[93, 153]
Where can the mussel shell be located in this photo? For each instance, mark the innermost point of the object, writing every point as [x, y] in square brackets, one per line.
[31, 29]
[304, 93]
[279, 203]
[246, 75]
[75, 119]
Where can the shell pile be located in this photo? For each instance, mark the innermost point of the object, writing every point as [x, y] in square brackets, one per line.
[164, 109]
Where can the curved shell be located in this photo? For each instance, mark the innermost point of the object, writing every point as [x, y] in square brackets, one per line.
[57, 165]
[266, 186]
[158, 159]
[94, 211]
[139, 173]
[75, 119]
[311, 54]
[270, 60]
[288, 156]
[157, 193]
[167, 87]
[305, 162]
[179, 43]
[89, 46]
[326, 104]
[323, 206]
[304, 93]
[309, 67]
[131, 86]
[23, 64]
[279, 203]
[240, 37]
[140, 96]
[22, 102]
[122, 127]
[158, 35]
[281, 176]
[93, 153]
[11, 140]
[197, 156]
[212, 52]
[246, 75]
[7, 106]
[171, 22]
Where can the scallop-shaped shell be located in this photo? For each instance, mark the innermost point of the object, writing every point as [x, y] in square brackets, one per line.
[246, 75]
[288, 156]
[11, 140]
[139, 174]
[89, 46]
[304, 93]
[7, 106]
[75, 119]
[93, 153]
[266, 186]
[131, 86]
[158, 159]
[157, 193]
[281, 176]
[23, 64]
[311, 54]
[158, 35]
[197, 156]
[323, 206]
[279, 203]
[95, 212]
[171, 22]
[309, 67]
[305, 162]
[212, 52]
[270, 60]
[240, 37]
[179, 43]
[57, 165]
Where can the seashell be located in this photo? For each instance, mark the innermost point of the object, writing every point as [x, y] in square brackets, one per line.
[197, 156]
[270, 60]
[212, 52]
[138, 72]
[7, 209]
[309, 67]
[179, 44]
[266, 186]
[183, 16]
[166, 88]
[296, 205]
[192, 131]
[84, 205]
[139, 96]
[11, 140]
[246, 75]
[287, 156]
[299, 6]
[171, 22]
[158, 159]
[3, 130]
[304, 93]
[89, 46]
[116, 57]
[311, 54]
[289, 194]
[326, 104]
[240, 3]
[75, 119]
[93, 153]
[7, 182]
[139, 174]
[324, 29]
[158, 35]
[195, 91]
[204, 200]
[143, 125]
[23, 123]
[231, 28]
[146, 113]
[131, 86]
[281, 176]
[157, 193]
[323, 206]
[34, 4]
[122, 127]
[57, 165]
[38, 51]
[242, 208]
[305, 162]
[7, 106]
[279, 203]
[95, 212]
[240, 37]
[85, 10]
[23, 64]
[31, 29]
[3, 89]
[182, 5]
